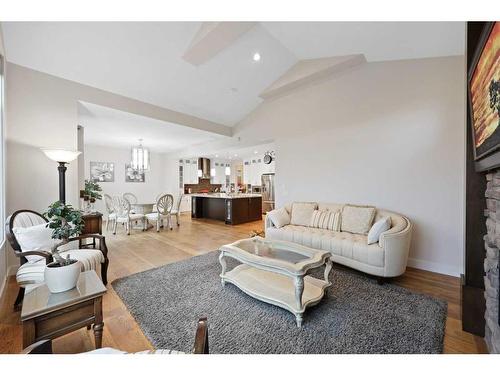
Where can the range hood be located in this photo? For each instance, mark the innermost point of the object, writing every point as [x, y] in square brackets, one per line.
[204, 165]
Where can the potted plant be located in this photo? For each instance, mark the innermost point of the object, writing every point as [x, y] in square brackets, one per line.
[62, 274]
[91, 193]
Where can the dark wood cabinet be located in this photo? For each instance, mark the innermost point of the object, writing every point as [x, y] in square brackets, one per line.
[230, 210]
[93, 225]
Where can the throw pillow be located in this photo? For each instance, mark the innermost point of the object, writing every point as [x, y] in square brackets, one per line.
[279, 217]
[378, 228]
[302, 212]
[325, 219]
[35, 238]
[357, 219]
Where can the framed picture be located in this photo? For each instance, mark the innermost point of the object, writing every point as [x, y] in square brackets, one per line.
[484, 92]
[133, 175]
[101, 171]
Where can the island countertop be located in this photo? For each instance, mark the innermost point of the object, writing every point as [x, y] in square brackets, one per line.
[225, 195]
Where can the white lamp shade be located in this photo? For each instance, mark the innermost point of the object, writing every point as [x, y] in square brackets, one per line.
[212, 172]
[228, 171]
[61, 155]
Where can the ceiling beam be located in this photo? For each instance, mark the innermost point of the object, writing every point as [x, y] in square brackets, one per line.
[212, 38]
[305, 72]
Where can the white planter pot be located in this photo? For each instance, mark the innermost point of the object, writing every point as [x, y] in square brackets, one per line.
[61, 279]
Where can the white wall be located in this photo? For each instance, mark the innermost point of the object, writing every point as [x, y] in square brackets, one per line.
[155, 181]
[3, 247]
[389, 134]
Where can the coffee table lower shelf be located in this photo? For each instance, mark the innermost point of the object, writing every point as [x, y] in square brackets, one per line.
[277, 289]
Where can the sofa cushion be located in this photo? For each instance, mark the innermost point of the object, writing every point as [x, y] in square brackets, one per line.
[325, 219]
[279, 217]
[378, 228]
[348, 245]
[302, 212]
[357, 219]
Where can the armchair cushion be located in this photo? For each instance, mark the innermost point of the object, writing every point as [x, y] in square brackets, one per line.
[35, 238]
[31, 273]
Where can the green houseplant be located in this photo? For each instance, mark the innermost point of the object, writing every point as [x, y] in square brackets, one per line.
[93, 190]
[62, 274]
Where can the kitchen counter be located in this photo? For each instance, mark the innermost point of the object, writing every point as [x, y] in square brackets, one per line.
[230, 208]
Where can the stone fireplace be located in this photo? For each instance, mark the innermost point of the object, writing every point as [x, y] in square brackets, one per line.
[492, 246]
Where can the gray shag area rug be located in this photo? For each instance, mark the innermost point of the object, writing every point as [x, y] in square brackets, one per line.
[356, 316]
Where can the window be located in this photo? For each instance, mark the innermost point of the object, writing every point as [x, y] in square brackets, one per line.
[2, 148]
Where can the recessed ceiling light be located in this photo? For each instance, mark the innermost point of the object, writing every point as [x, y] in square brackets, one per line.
[235, 155]
[256, 56]
[216, 156]
[255, 152]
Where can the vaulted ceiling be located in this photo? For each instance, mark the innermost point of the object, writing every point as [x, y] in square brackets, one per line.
[153, 61]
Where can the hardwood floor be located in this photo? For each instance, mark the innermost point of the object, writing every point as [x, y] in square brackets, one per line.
[144, 250]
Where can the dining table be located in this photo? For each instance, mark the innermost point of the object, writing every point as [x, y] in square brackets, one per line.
[142, 208]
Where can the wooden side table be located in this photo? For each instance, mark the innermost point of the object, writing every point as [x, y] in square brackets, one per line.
[47, 315]
[93, 225]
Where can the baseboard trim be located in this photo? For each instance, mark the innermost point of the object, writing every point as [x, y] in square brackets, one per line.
[433, 267]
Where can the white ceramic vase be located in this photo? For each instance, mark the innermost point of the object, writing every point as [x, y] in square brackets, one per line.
[61, 279]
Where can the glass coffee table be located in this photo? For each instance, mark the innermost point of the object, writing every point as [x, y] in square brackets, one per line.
[276, 272]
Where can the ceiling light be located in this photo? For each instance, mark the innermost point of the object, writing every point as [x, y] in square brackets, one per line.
[235, 155]
[255, 152]
[216, 156]
[140, 157]
[256, 56]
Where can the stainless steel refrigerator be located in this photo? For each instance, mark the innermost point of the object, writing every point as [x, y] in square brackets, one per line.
[267, 192]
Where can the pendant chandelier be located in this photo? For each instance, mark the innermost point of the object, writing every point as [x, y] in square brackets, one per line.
[140, 158]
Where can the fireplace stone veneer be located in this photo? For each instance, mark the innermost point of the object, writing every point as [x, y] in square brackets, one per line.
[492, 246]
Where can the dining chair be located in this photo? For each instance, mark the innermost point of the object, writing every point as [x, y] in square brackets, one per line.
[176, 211]
[132, 198]
[156, 200]
[108, 203]
[164, 208]
[124, 214]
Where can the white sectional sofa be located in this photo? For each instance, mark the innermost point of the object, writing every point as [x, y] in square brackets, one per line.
[386, 258]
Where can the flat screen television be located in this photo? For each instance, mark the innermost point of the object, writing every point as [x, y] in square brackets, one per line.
[484, 95]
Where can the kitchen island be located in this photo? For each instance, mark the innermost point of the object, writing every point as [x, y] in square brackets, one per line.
[230, 208]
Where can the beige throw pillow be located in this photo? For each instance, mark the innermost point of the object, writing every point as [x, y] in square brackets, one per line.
[357, 219]
[302, 213]
[325, 219]
[279, 217]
